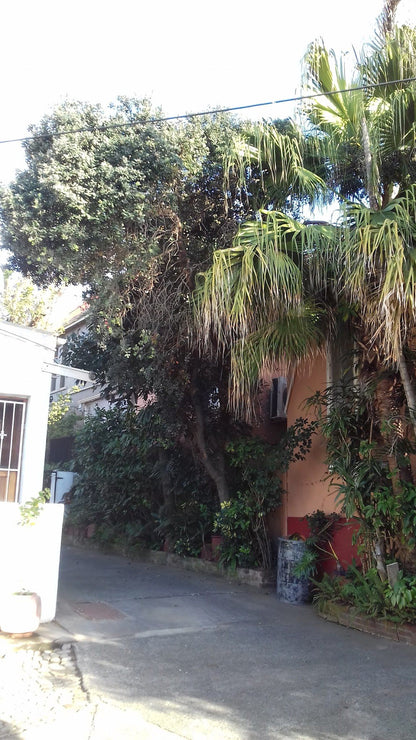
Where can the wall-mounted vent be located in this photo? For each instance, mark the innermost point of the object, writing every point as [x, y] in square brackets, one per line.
[278, 398]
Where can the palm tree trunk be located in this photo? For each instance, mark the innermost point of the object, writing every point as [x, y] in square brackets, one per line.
[387, 18]
[368, 163]
[408, 389]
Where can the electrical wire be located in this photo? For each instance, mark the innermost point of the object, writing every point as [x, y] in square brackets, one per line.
[187, 116]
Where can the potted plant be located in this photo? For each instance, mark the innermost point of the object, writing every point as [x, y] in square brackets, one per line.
[20, 613]
[300, 557]
[216, 544]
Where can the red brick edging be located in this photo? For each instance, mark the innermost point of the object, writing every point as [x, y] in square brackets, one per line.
[349, 617]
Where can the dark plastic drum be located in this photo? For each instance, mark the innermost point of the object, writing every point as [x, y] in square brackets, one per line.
[290, 587]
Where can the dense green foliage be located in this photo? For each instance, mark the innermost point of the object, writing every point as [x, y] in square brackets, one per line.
[368, 457]
[134, 212]
[289, 287]
[79, 207]
[62, 420]
[121, 460]
[287, 284]
[258, 487]
[371, 596]
[112, 490]
[135, 484]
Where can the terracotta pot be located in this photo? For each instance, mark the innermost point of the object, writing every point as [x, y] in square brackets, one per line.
[20, 614]
[216, 542]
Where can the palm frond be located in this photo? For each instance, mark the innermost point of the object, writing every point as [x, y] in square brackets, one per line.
[297, 335]
[380, 271]
[390, 59]
[258, 279]
[278, 159]
[336, 112]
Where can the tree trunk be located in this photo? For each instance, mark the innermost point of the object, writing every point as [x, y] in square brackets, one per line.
[177, 236]
[213, 463]
[165, 480]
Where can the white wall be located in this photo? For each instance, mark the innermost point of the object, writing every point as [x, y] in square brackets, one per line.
[22, 352]
[31, 554]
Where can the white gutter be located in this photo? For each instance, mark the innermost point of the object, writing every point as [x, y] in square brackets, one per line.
[66, 371]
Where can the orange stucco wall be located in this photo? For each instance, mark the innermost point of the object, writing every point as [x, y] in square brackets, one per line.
[306, 480]
[306, 485]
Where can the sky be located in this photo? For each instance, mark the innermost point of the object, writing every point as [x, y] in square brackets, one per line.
[186, 55]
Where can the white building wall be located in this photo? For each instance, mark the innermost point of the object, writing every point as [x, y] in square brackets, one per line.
[22, 353]
[89, 395]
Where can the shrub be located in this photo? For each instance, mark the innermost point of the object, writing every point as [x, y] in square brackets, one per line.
[369, 595]
[258, 468]
[117, 481]
[136, 486]
[369, 463]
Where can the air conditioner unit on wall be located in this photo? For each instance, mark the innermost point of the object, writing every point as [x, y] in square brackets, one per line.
[278, 398]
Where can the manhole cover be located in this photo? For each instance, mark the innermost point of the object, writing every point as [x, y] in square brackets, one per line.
[96, 610]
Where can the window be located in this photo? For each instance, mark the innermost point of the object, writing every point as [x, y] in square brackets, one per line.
[11, 437]
[278, 398]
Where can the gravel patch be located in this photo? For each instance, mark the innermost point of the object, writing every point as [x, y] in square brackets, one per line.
[39, 687]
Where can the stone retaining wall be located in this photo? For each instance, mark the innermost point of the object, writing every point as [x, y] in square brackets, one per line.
[251, 576]
[349, 617]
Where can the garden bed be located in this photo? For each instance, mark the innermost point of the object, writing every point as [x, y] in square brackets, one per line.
[348, 616]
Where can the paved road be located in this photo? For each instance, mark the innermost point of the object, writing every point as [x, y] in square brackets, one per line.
[167, 653]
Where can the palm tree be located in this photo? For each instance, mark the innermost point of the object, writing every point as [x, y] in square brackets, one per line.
[377, 228]
[276, 293]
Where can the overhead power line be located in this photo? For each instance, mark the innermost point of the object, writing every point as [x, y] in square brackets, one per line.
[185, 116]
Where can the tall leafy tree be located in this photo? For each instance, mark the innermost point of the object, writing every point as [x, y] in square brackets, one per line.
[133, 207]
[92, 191]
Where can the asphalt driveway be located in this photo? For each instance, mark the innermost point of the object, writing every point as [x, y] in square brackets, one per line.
[166, 653]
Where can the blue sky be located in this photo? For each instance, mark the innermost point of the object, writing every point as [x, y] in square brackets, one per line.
[187, 55]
